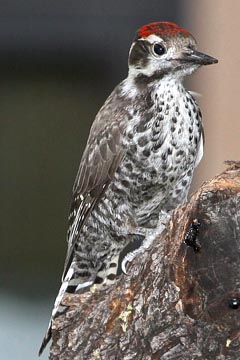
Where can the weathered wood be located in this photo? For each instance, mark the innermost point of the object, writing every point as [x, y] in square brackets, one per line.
[178, 302]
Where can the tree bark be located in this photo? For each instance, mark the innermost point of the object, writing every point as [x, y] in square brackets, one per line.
[179, 301]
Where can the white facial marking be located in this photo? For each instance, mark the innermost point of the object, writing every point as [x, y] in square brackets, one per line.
[132, 46]
[152, 39]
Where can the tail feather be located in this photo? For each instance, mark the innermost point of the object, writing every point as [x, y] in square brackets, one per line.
[78, 282]
[69, 285]
[46, 339]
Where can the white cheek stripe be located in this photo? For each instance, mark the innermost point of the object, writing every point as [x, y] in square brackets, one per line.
[132, 47]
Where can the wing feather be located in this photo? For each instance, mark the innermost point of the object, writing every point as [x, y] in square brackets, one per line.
[99, 162]
[200, 147]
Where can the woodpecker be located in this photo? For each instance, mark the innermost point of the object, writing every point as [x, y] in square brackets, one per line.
[138, 163]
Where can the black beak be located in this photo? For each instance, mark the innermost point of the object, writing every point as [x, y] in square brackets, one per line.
[198, 58]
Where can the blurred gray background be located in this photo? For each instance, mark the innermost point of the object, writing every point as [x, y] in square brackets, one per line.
[58, 63]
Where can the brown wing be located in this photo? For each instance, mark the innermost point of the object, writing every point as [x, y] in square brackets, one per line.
[101, 157]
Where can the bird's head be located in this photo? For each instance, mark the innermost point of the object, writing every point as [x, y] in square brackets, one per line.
[165, 49]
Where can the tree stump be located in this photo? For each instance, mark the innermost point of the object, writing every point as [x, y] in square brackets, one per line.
[179, 301]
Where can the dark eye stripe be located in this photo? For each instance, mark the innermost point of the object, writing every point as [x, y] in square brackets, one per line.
[139, 53]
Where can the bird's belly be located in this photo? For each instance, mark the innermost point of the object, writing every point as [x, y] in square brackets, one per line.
[161, 183]
[162, 147]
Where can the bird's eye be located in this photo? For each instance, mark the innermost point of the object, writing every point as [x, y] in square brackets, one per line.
[159, 49]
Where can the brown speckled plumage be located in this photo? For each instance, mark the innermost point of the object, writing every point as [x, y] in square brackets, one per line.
[139, 159]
